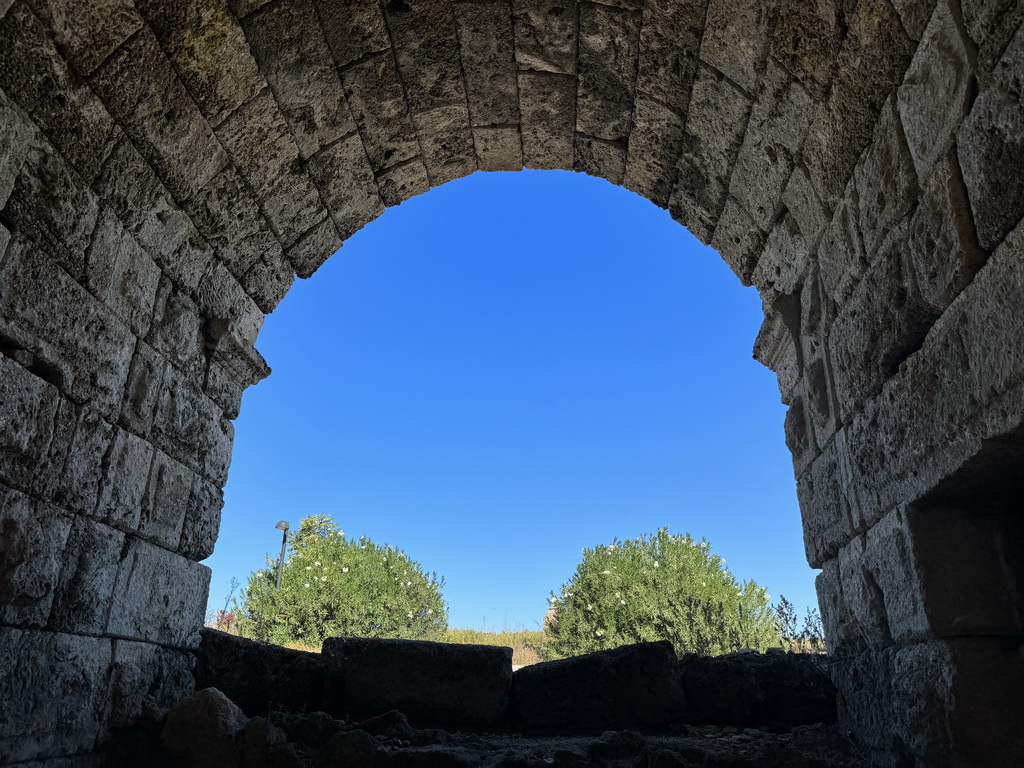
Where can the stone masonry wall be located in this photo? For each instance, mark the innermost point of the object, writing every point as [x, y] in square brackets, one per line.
[167, 167]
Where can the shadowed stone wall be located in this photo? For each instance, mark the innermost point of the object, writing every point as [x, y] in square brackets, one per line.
[168, 166]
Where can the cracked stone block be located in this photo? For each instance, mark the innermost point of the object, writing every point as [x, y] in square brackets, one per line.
[205, 44]
[600, 158]
[399, 183]
[842, 260]
[738, 240]
[84, 590]
[32, 541]
[89, 32]
[804, 40]
[670, 35]
[202, 520]
[142, 390]
[546, 103]
[776, 348]
[227, 308]
[608, 45]
[488, 62]
[426, 48]
[800, 438]
[735, 40]
[177, 331]
[126, 469]
[915, 15]
[377, 99]
[715, 124]
[498, 147]
[546, 34]
[288, 42]
[991, 25]
[447, 143]
[158, 597]
[314, 247]
[36, 694]
[70, 474]
[826, 503]
[346, 183]
[146, 678]
[991, 147]
[785, 258]
[655, 142]
[353, 29]
[28, 409]
[19, 135]
[802, 202]
[166, 502]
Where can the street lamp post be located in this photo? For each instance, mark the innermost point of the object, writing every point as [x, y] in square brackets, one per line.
[282, 526]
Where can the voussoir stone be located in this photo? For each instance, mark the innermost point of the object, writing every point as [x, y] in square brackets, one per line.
[428, 682]
[634, 685]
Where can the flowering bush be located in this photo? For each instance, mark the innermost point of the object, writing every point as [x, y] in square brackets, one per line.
[659, 587]
[337, 587]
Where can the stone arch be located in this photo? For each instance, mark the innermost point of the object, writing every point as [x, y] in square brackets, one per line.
[167, 168]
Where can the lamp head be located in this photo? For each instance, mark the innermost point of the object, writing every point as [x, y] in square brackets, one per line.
[282, 525]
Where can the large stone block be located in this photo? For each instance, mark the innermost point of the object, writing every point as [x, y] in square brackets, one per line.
[670, 35]
[208, 50]
[346, 183]
[46, 708]
[142, 390]
[202, 522]
[147, 679]
[842, 260]
[546, 33]
[353, 29]
[499, 148]
[784, 261]
[738, 240]
[991, 147]
[654, 145]
[19, 135]
[446, 141]
[802, 202]
[288, 42]
[486, 45]
[427, 51]
[28, 406]
[314, 247]
[635, 685]
[735, 40]
[87, 33]
[427, 682]
[126, 469]
[260, 677]
[546, 104]
[826, 503]
[600, 158]
[804, 39]
[403, 181]
[32, 540]
[377, 99]
[177, 332]
[158, 597]
[70, 474]
[85, 588]
[608, 44]
[166, 502]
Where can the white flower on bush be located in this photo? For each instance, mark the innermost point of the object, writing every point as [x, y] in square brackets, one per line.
[409, 614]
[307, 585]
[309, 567]
[344, 570]
[317, 563]
[599, 633]
[606, 573]
[408, 583]
[655, 563]
[590, 607]
[552, 600]
[622, 602]
[323, 578]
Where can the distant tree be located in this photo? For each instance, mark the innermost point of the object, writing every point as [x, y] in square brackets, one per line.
[333, 586]
[658, 587]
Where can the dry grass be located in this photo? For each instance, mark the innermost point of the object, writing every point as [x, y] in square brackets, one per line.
[525, 644]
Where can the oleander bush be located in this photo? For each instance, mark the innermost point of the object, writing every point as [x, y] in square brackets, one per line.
[658, 587]
[333, 586]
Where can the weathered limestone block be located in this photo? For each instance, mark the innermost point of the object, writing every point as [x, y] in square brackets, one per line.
[715, 124]
[51, 709]
[51, 206]
[800, 438]
[915, 14]
[70, 473]
[128, 184]
[804, 40]
[120, 274]
[227, 309]
[84, 590]
[738, 240]
[776, 348]
[635, 685]
[147, 678]
[201, 729]
[427, 52]
[499, 147]
[670, 35]
[233, 367]
[377, 98]
[33, 537]
[28, 406]
[126, 471]
[158, 597]
[778, 123]
[608, 43]
[781, 691]
[260, 144]
[783, 263]
[735, 40]
[842, 260]
[87, 33]
[314, 247]
[141, 89]
[142, 390]
[934, 97]
[427, 682]
[86, 350]
[19, 135]
[208, 50]
[827, 502]
[819, 394]
[488, 62]
[546, 34]
[886, 182]
[446, 141]
[991, 147]
[353, 29]
[941, 246]
[177, 333]
[991, 25]
[600, 158]
[546, 104]
[654, 145]
[65, 109]
[954, 702]
[871, 62]
[801, 200]
[260, 677]
[288, 43]
[166, 502]
[202, 520]
[345, 179]
[402, 181]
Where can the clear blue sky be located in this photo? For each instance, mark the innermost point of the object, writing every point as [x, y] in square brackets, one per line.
[507, 369]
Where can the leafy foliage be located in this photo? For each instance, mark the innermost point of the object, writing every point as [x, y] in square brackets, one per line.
[810, 638]
[336, 587]
[658, 587]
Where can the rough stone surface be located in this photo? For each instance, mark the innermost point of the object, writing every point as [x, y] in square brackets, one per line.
[428, 682]
[200, 730]
[635, 685]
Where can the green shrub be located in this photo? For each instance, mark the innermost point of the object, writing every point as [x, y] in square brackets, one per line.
[336, 587]
[659, 587]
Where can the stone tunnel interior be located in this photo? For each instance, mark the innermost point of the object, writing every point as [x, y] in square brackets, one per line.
[168, 168]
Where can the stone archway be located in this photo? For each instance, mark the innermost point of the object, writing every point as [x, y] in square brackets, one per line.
[166, 168]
